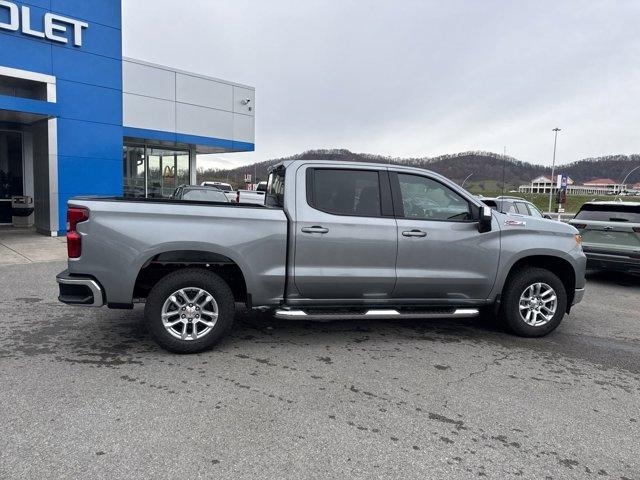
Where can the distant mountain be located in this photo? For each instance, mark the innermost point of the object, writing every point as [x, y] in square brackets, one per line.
[485, 166]
[615, 167]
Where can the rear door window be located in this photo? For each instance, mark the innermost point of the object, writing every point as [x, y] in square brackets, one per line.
[345, 192]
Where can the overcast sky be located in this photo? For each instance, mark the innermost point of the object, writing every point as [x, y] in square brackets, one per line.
[412, 78]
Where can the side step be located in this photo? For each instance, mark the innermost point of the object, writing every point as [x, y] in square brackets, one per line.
[328, 315]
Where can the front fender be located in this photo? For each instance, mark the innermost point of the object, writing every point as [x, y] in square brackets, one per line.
[573, 256]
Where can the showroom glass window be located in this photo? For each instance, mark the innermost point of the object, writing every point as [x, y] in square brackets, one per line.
[426, 199]
[154, 172]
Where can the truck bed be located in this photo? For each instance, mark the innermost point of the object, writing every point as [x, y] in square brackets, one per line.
[123, 235]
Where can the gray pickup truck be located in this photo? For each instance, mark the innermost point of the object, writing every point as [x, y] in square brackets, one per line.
[334, 240]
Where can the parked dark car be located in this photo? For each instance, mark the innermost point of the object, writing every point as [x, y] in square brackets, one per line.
[610, 235]
[199, 194]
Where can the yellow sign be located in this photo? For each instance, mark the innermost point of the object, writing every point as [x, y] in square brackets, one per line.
[169, 172]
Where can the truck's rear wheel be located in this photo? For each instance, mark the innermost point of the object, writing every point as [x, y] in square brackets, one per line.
[534, 302]
[189, 310]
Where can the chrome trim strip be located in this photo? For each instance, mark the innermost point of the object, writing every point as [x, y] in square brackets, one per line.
[290, 313]
[462, 312]
[301, 314]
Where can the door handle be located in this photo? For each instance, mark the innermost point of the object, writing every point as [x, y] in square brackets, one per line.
[315, 229]
[414, 233]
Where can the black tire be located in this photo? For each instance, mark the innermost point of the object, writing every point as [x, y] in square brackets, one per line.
[185, 279]
[515, 286]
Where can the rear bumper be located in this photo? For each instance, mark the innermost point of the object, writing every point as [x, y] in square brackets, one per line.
[79, 290]
[609, 261]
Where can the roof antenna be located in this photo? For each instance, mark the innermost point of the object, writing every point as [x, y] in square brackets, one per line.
[504, 167]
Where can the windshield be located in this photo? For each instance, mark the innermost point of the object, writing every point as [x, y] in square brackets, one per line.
[534, 211]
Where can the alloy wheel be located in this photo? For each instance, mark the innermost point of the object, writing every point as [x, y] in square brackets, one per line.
[538, 304]
[189, 313]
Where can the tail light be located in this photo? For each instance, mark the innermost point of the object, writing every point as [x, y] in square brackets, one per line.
[637, 230]
[75, 215]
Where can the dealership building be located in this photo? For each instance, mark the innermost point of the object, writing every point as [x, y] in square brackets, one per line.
[76, 118]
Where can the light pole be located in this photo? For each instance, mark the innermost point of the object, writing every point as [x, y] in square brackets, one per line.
[463, 182]
[625, 178]
[553, 166]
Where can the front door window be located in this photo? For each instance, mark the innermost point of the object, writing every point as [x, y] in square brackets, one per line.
[426, 199]
[11, 173]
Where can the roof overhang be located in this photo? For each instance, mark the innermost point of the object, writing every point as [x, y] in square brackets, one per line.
[26, 111]
[201, 145]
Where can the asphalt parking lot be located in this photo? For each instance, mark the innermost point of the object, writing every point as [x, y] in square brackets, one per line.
[86, 394]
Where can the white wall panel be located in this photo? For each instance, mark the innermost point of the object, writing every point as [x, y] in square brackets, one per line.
[169, 100]
[149, 113]
[243, 128]
[206, 122]
[204, 92]
[149, 81]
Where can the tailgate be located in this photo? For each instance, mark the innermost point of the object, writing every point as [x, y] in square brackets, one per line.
[617, 235]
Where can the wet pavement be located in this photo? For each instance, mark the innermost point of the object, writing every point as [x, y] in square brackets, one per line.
[87, 394]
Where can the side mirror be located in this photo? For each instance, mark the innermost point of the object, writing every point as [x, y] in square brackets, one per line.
[484, 222]
[547, 216]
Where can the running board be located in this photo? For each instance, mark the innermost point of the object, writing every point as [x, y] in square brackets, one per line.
[300, 314]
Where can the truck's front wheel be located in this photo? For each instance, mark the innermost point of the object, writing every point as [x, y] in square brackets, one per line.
[189, 310]
[534, 302]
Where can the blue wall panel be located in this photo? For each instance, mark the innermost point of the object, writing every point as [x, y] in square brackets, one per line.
[38, 3]
[98, 70]
[78, 95]
[104, 173]
[103, 12]
[16, 104]
[25, 54]
[89, 139]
